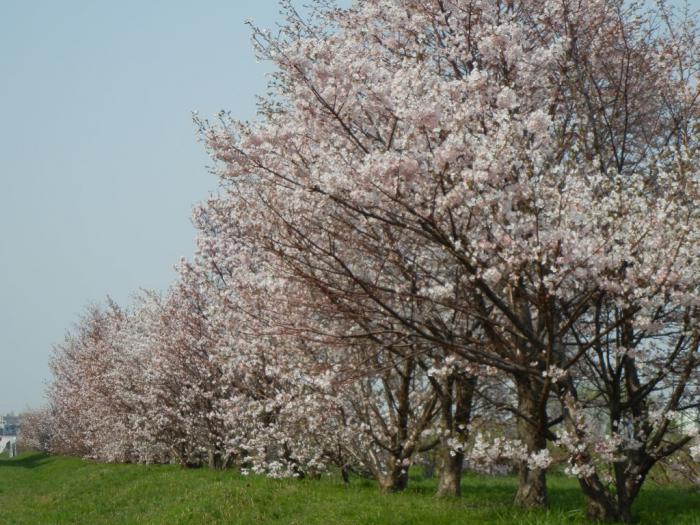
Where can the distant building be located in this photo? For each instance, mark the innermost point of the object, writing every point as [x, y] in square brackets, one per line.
[8, 444]
[9, 424]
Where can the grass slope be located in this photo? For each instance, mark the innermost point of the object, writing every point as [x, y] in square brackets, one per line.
[37, 489]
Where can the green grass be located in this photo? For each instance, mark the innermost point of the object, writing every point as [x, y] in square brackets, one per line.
[37, 489]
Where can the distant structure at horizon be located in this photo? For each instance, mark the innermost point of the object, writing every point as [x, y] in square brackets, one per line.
[8, 444]
[9, 424]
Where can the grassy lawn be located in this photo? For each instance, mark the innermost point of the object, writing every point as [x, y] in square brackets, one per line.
[50, 490]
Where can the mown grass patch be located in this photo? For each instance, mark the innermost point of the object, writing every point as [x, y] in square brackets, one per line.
[38, 489]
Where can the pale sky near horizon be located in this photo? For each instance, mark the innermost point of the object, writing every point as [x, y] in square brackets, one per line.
[99, 159]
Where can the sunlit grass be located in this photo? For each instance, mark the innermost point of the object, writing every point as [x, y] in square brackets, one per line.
[51, 490]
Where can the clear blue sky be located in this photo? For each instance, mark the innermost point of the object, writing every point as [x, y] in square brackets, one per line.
[99, 161]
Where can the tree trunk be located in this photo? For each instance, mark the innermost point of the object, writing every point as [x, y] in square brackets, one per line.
[294, 466]
[599, 511]
[601, 506]
[451, 462]
[532, 487]
[604, 503]
[450, 480]
[396, 480]
[218, 460]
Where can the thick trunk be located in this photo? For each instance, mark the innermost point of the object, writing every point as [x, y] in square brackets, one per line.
[532, 487]
[395, 480]
[609, 505]
[450, 480]
[598, 511]
[600, 506]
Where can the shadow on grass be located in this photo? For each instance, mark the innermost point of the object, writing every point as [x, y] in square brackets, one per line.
[493, 496]
[668, 502]
[25, 461]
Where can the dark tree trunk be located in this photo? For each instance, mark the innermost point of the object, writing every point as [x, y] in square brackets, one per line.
[298, 471]
[396, 480]
[452, 462]
[603, 510]
[217, 460]
[601, 505]
[532, 431]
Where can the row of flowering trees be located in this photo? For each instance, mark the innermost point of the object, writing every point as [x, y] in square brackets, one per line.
[461, 226]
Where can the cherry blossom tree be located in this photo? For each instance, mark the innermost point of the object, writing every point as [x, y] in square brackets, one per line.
[494, 149]
[367, 399]
[186, 386]
[35, 430]
[87, 419]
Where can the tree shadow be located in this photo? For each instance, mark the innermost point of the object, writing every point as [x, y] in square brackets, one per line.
[667, 504]
[25, 461]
